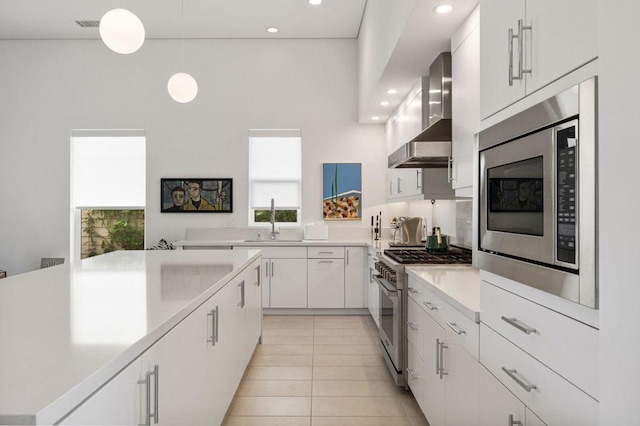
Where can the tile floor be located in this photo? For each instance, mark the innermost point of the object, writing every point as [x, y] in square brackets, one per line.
[320, 371]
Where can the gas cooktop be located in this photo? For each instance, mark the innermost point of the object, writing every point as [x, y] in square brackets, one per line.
[422, 256]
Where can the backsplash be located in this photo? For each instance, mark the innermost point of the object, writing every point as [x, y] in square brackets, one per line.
[464, 222]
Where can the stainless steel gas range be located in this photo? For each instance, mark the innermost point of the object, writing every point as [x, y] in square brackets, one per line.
[392, 282]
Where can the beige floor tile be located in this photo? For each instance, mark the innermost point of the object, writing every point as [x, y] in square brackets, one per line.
[346, 323]
[268, 421]
[347, 360]
[264, 360]
[353, 388]
[376, 406]
[284, 350]
[287, 340]
[411, 407]
[275, 388]
[362, 331]
[343, 340]
[350, 373]
[345, 349]
[359, 421]
[287, 324]
[281, 331]
[270, 406]
[278, 373]
[287, 318]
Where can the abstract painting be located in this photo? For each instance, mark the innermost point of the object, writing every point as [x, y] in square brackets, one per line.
[342, 191]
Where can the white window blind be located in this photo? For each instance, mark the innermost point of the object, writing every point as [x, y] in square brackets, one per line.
[109, 171]
[275, 169]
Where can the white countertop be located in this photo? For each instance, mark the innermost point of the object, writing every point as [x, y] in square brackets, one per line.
[267, 243]
[459, 285]
[65, 330]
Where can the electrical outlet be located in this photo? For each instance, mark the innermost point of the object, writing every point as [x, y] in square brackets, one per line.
[229, 223]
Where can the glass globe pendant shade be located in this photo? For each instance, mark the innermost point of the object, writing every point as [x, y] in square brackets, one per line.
[121, 31]
[182, 87]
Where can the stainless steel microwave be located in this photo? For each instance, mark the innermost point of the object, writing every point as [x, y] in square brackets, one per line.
[537, 196]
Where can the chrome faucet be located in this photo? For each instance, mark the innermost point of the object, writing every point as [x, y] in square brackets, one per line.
[273, 220]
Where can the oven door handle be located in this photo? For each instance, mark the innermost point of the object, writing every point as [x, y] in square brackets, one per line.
[386, 287]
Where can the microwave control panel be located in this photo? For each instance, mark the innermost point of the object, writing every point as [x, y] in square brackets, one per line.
[566, 190]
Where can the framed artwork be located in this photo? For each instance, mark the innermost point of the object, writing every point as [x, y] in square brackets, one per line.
[196, 195]
[342, 191]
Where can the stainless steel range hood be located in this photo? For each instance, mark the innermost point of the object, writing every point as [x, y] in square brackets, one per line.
[432, 147]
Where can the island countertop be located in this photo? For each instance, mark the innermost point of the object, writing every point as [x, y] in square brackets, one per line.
[66, 330]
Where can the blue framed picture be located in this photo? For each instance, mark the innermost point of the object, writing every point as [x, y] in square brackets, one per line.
[342, 191]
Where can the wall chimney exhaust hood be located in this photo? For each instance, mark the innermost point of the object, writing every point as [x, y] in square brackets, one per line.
[432, 147]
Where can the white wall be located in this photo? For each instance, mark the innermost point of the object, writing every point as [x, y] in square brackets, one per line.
[619, 205]
[51, 87]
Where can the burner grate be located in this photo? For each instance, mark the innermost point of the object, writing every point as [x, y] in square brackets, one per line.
[428, 257]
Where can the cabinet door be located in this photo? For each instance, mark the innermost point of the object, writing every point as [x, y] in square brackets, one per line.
[496, 18]
[414, 111]
[266, 283]
[354, 273]
[326, 283]
[288, 283]
[465, 62]
[462, 384]
[564, 36]
[404, 183]
[116, 403]
[496, 403]
[434, 386]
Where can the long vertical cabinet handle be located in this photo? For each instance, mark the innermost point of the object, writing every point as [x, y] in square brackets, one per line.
[347, 250]
[418, 180]
[258, 275]
[510, 37]
[521, 29]
[266, 270]
[514, 422]
[450, 170]
[147, 383]
[442, 348]
[212, 337]
[241, 303]
[399, 190]
[271, 268]
[437, 357]
[216, 322]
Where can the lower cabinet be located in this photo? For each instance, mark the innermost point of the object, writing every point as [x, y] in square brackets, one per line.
[190, 375]
[325, 283]
[354, 273]
[288, 283]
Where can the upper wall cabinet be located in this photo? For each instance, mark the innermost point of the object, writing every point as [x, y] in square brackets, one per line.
[527, 44]
[407, 122]
[465, 102]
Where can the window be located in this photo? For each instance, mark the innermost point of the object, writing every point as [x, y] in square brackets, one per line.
[108, 193]
[275, 172]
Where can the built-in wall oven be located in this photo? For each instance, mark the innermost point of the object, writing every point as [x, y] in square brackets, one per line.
[537, 196]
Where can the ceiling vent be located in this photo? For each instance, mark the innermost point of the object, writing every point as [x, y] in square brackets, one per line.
[88, 24]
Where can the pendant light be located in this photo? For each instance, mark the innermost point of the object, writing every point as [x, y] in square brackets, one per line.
[121, 31]
[182, 87]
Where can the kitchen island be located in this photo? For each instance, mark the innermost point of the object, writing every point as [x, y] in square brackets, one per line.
[69, 333]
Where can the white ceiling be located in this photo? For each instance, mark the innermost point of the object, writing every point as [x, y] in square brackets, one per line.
[426, 34]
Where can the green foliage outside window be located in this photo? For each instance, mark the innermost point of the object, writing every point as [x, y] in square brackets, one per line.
[283, 216]
[104, 231]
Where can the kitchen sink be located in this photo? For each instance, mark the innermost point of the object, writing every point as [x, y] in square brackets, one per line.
[271, 241]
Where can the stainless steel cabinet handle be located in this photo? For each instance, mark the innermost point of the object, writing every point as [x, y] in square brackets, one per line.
[412, 374]
[521, 29]
[413, 290]
[430, 305]
[147, 383]
[347, 256]
[241, 303]
[512, 373]
[442, 348]
[437, 357]
[413, 326]
[215, 325]
[418, 180]
[266, 269]
[272, 268]
[399, 190]
[510, 37]
[325, 261]
[455, 328]
[450, 170]
[514, 422]
[258, 275]
[519, 325]
[212, 338]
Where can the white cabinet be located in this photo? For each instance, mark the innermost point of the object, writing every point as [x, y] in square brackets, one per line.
[354, 285]
[434, 404]
[465, 103]
[496, 403]
[404, 184]
[325, 283]
[189, 376]
[288, 283]
[563, 36]
[407, 121]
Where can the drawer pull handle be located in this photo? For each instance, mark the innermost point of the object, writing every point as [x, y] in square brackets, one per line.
[519, 325]
[412, 326]
[514, 422]
[412, 374]
[455, 328]
[430, 305]
[512, 373]
[413, 290]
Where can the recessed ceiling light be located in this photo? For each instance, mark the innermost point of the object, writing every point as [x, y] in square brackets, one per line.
[375, 117]
[315, 2]
[384, 103]
[272, 30]
[443, 8]
[392, 91]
